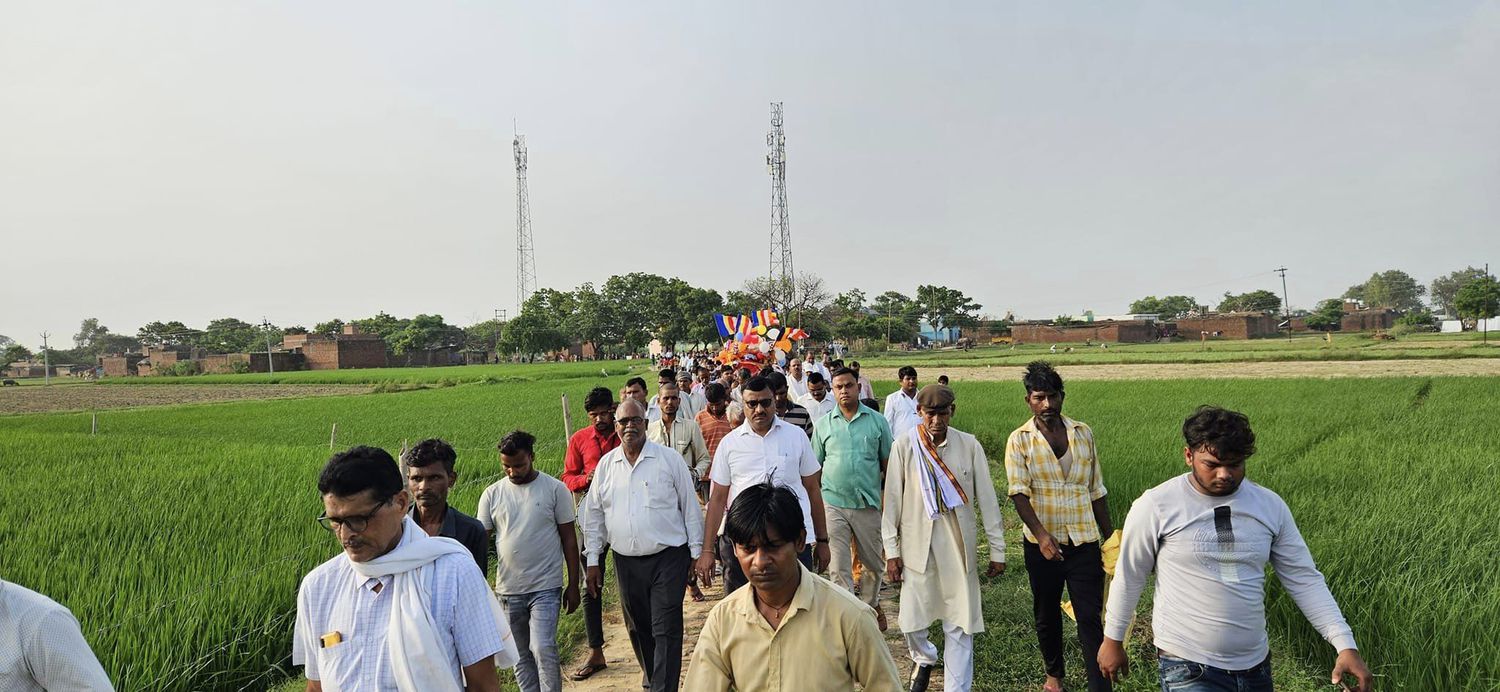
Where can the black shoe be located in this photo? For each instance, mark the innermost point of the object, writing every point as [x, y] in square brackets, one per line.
[919, 678]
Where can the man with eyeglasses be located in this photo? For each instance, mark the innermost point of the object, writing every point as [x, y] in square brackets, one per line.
[642, 505]
[585, 448]
[765, 448]
[398, 610]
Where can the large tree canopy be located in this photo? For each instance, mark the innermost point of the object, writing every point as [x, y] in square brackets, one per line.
[1392, 288]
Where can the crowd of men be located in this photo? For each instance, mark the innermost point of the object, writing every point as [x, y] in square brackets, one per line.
[770, 480]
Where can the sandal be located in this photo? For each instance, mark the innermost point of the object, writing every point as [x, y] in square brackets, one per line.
[587, 670]
[880, 620]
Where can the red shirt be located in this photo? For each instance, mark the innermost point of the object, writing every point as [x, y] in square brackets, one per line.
[585, 448]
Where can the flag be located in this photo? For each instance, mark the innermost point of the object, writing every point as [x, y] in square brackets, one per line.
[728, 325]
[764, 318]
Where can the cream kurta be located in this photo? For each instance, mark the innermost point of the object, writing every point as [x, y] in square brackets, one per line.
[941, 573]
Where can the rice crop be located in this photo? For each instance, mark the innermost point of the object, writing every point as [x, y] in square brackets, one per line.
[178, 535]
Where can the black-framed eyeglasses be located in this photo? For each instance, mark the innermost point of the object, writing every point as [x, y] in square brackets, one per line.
[632, 420]
[357, 523]
[760, 403]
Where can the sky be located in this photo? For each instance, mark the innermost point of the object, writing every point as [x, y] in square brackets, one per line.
[300, 162]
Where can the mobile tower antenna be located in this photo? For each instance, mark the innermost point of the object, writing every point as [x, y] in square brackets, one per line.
[525, 258]
[781, 276]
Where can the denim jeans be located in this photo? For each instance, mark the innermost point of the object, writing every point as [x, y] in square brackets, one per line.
[1178, 675]
[533, 622]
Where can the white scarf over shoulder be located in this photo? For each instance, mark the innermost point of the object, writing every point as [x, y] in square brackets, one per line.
[418, 659]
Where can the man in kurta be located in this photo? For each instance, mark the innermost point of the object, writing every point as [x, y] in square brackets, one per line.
[936, 480]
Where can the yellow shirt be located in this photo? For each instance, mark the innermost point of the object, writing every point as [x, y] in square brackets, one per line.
[828, 640]
[1063, 501]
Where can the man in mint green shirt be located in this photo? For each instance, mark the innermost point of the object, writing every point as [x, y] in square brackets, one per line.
[852, 442]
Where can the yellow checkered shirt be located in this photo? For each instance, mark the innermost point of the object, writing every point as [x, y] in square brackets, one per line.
[1063, 504]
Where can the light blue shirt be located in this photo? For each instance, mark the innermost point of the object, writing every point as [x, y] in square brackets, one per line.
[334, 598]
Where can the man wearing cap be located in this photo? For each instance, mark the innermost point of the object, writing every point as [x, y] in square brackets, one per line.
[691, 399]
[936, 479]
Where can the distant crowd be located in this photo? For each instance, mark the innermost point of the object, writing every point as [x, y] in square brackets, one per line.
[768, 481]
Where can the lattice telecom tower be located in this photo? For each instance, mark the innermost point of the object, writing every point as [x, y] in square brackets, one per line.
[781, 233]
[525, 259]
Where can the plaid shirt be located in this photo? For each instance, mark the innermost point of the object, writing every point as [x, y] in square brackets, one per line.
[1064, 505]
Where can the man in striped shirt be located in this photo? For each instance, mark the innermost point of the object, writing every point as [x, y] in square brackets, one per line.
[1055, 483]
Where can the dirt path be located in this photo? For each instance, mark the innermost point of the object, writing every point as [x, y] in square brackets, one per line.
[624, 674]
[96, 397]
[1485, 367]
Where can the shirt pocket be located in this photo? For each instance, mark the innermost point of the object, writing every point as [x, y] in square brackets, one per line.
[660, 492]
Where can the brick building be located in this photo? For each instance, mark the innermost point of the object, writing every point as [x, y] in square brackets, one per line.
[121, 364]
[1229, 325]
[1136, 332]
[350, 349]
[1368, 320]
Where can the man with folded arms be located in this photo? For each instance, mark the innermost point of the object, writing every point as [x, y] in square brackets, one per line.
[1208, 535]
[398, 610]
[642, 505]
[792, 630]
[936, 479]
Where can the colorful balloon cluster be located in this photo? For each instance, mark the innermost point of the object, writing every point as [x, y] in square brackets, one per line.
[758, 341]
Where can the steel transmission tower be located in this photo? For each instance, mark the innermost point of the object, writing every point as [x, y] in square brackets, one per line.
[525, 259]
[781, 274]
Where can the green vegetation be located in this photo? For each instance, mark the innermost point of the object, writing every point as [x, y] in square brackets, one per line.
[178, 535]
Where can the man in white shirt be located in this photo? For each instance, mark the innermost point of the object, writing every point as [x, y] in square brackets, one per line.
[529, 516]
[1208, 534]
[360, 622]
[675, 431]
[818, 401]
[764, 448]
[695, 400]
[796, 378]
[643, 506]
[901, 405]
[42, 647]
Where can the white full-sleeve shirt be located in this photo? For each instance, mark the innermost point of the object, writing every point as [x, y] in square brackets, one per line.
[42, 647]
[901, 412]
[1210, 556]
[642, 508]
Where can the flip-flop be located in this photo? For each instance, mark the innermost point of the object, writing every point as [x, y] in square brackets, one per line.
[587, 671]
[880, 620]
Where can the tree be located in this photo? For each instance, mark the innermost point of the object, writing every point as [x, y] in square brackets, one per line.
[114, 343]
[849, 302]
[532, 333]
[330, 328]
[592, 321]
[15, 352]
[381, 324]
[230, 335]
[1168, 308]
[298, 329]
[1328, 316]
[89, 332]
[692, 320]
[947, 307]
[1392, 288]
[425, 332]
[1445, 288]
[795, 301]
[170, 333]
[1254, 301]
[898, 315]
[1478, 300]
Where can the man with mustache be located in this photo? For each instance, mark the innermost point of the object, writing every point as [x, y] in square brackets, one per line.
[1208, 534]
[642, 505]
[936, 478]
[430, 474]
[398, 610]
[1055, 483]
[792, 629]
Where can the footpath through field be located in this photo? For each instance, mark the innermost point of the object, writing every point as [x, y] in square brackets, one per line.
[1472, 367]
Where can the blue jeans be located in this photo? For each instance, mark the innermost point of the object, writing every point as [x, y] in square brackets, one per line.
[1178, 675]
[533, 622]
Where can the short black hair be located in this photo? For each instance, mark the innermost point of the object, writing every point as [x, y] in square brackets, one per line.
[667, 372]
[745, 373]
[1224, 432]
[853, 365]
[843, 371]
[815, 378]
[599, 397]
[756, 384]
[715, 392]
[906, 371]
[428, 452]
[636, 381]
[518, 441]
[761, 508]
[776, 379]
[358, 469]
[837, 363]
[1040, 377]
[942, 379]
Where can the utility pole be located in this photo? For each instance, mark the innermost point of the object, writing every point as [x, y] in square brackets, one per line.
[500, 322]
[1484, 322]
[1286, 307]
[525, 259]
[47, 357]
[781, 275]
[270, 364]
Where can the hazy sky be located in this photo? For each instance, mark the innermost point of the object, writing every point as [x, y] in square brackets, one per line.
[302, 161]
